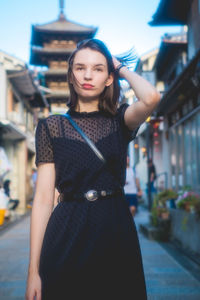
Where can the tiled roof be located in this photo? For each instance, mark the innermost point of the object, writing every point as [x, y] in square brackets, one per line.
[63, 25]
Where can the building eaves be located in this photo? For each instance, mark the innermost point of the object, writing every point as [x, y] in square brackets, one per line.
[40, 56]
[184, 80]
[169, 48]
[25, 86]
[63, 25]
[61, 28]
[171, 12]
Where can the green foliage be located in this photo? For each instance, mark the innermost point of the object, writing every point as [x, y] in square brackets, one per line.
[167, 195]
[159, 205]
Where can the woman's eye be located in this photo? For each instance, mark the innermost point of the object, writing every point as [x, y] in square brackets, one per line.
[79, 68]
[99, 70]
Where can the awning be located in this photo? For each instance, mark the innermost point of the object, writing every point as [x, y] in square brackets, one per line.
[22, 81]
[9, 131]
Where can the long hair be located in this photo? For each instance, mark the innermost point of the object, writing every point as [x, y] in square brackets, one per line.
[109, 98]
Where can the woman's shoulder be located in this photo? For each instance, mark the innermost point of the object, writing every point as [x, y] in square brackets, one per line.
[122, 107]
[121, 110]
[52, 122]
[53, 119]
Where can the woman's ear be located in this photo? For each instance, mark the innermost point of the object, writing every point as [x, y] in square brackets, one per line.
[110, 79]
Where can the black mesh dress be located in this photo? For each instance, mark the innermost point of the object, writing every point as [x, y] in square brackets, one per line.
[90, 249]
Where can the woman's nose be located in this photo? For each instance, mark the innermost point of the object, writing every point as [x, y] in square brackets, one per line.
[88, 74]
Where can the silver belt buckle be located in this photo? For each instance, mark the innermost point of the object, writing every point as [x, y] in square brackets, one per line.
[91, 195]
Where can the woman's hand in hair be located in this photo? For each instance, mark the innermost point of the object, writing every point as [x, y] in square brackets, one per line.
[116, 62]
[118, 66]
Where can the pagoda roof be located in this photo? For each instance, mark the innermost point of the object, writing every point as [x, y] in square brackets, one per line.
[58, 94]
[171, 12]
[56, 71]
[61, 27]
[41, 56]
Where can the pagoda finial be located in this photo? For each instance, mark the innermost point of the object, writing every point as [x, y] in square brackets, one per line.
[61, 15]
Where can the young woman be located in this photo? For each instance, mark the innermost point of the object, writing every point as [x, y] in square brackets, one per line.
[88, 247]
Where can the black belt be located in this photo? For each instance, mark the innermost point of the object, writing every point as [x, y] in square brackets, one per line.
[90, 195]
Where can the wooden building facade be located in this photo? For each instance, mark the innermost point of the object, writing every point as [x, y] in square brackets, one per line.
[180, 104]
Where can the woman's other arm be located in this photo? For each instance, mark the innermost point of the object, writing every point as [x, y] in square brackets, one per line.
[148, 99]
[41, 211]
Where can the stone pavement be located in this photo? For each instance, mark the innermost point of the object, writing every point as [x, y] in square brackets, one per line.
[14, 251]
[165, 278]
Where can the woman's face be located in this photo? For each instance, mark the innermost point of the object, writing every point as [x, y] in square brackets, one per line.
[91, 73]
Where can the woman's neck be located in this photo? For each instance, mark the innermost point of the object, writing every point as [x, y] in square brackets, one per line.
[87, 106]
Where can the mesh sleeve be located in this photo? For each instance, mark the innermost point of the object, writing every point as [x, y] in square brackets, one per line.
[43, 145]
[128, 133]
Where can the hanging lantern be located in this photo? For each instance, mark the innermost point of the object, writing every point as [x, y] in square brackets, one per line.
[136, 146]
[143, 149]
[155, 134]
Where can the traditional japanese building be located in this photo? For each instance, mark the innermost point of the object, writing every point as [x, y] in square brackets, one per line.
[51, 46]
[20, 101]
[178, 65]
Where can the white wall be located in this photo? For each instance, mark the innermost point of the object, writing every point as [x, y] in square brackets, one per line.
[3, 89]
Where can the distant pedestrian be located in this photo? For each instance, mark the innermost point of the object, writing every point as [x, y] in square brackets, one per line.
[152, 175]
[87, 247]
[12, 203]
[132, 188]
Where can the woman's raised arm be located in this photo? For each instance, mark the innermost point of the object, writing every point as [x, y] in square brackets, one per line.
[148, 97]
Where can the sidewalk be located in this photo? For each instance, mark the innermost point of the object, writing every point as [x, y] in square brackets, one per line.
[165, 277]
[14, 251]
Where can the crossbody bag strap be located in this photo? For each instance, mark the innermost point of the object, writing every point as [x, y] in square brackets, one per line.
[86, 138]
[90, 143]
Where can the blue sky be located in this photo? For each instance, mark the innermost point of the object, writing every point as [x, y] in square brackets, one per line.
[122, 24]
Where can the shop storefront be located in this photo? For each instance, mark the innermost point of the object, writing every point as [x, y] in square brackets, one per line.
[185, 151]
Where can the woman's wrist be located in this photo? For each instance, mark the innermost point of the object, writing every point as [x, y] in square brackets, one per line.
[122, 70]
[33, 270]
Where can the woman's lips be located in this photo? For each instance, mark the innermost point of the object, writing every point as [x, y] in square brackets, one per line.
[87, 86]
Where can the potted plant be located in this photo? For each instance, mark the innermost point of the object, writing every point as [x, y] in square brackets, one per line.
[164, 213]
[159, 209]
[188, 201]
[168, 195]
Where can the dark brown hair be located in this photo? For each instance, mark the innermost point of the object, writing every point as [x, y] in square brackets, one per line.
[109, 98]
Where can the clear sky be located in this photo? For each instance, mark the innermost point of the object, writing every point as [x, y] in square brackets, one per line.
[122, 24]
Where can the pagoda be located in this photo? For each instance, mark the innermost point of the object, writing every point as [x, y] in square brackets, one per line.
[51, 46]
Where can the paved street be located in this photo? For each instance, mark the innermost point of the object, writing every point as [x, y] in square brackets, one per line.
[165, 278]
[14, 251]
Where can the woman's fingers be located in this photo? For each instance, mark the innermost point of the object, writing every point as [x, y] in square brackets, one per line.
[33, 291]
[116, 62]
[38, 295]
